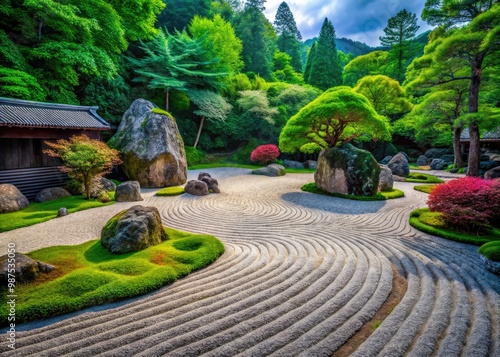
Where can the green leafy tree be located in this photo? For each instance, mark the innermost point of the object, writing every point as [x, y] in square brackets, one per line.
[309, 61]
[370, 64]
[210, 105]
[283, 70]
[178, 14]
[451, 12]
[325, 71]
[258, 38]
[386, 95]
[84, 158]
[19, 84]
[288, 35]
[337, 116]
[398, 33]
[475, 47]
[220, 43]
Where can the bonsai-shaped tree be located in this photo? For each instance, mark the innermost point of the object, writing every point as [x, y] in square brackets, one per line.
[84, 158]
[339, 115]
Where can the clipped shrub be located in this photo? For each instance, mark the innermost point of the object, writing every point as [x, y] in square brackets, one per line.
[265, 154]
[491, 250]
[194, 156]
[467, 202]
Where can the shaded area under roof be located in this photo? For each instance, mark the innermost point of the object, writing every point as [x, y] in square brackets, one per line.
[489, 136]
[24, 113]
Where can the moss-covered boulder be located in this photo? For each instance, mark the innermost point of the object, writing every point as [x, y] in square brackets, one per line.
[25, 268]
[347, 170]
[132, 230]
[152, 148]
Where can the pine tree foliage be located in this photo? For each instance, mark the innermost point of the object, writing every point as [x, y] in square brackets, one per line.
[288, 35]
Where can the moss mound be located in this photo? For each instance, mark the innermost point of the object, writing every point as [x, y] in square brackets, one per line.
[171, 191]
[423, 178]
[424, 188]
[491, 250]
[381, 196]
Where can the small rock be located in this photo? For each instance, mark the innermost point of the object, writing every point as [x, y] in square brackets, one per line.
[26, 269]
[494, 173]
[271, 170]
[62, 212]
[129, 191]
[212, 184]
[492, 266]
[11, 199]
[50, 194]
[311, 164]
[399, 165]
[197, 188]
[422, 160]
[293, 164]
[202, 175]
[438, 164]
[107, 185]
[398, 178]
[386, 182]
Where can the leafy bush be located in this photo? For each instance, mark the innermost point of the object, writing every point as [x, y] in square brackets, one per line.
[194, 156]
[265, 154]
[491, 250]
[467, 202]
[242, 156]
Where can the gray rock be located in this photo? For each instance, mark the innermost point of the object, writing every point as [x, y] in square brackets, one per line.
[50, 194]
[311, 164]
[11, 199]
[271, 170]
[151, 146]
[202, 175]
[386, 160]
[347, 170]
[448, 158]
[437, 153]
[484, 157]
[212, 184]
[422, 160]
[397, 178]
[132, 230]
[488, 165]
[107, 185]
[63, 211]
[129, 191]
[491, 265]
[438, 164]
[26, 269]
[399, 165]
[293, 164]
[386, 182]
[197, 187]
[494, 173]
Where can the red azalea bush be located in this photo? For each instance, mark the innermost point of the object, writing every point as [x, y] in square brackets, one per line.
[467, 202]
[265, 154]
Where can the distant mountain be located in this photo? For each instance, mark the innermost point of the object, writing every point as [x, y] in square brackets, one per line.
[347, 46]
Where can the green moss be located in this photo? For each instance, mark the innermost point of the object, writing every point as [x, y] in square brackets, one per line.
[162, 112]
[491, 250]
[44, 211]
[424, 188]
[423, 220]
[423, 178]
[88, 275]
[171, 191]
[381, 196]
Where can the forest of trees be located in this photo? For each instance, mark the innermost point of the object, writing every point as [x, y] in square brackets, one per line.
[231, 77]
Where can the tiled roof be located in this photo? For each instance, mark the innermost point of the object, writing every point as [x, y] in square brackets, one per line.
[24, 113]
[489, 136]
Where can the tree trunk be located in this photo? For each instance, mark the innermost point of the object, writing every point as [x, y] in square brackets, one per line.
[166, 100]
[199, 132]
[457, 161]
[474, 149]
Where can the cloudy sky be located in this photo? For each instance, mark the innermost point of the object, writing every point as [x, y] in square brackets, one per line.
[359, 20]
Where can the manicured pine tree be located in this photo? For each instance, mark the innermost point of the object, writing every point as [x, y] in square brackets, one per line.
[309, 61]
[289, 35]
[326, 71]
[398, 33]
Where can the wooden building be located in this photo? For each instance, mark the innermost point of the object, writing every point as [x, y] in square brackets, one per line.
[25, 126]
[490, 141]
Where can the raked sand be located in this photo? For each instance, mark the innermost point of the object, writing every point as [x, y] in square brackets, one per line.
[301, 273]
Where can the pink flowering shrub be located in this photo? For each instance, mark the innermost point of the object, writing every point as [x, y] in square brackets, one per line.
[467, 202]
[265, 154]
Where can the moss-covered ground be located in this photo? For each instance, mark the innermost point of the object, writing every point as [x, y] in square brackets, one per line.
[424, 188]
[171, 191]
[423, 178]
[381, 196]
[88, 275]
[44, 211]
[433, 223]
[491, 250]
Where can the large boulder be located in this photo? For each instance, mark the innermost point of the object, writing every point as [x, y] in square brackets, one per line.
[386, 182]
[151, 146]
[50, 194]
[11, 199]
[132, 230]
[494, 173]
[347, 170]
[197, 187]
[25, 270]
[399, 165]
[129, 191]
[272, 170]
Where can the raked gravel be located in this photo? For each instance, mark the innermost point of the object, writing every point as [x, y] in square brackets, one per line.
[300, 275]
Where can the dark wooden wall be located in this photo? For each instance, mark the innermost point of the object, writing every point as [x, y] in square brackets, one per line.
[25, 153]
